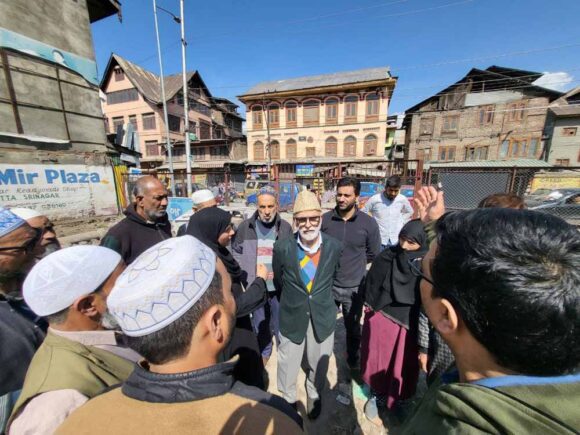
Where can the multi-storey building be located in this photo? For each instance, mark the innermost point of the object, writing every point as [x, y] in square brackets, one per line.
[330, 117]
[133, 96]
[562, 130]
[492, 114]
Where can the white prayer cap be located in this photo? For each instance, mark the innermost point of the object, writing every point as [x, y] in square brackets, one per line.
[25, 213]
[62, 277]
[9, 221]
[161, 285]
[202, 195]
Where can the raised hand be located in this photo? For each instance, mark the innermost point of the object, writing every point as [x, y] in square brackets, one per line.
[429, 203]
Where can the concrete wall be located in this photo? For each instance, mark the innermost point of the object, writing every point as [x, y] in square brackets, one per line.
[565, 147]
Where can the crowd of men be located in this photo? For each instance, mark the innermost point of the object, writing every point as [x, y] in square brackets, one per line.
[147, 332]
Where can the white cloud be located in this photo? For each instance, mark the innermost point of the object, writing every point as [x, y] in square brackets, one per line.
[559, 81]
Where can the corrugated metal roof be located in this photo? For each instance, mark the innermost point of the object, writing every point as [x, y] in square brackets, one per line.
[519, 163]
[339, 78]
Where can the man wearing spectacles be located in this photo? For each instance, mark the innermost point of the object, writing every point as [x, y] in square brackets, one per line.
[304, 270]
[37, 220]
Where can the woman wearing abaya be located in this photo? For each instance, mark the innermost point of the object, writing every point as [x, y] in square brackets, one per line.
[389, 351]
[213, 226]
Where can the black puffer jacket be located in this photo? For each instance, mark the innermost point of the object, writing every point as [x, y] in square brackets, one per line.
[133, 235]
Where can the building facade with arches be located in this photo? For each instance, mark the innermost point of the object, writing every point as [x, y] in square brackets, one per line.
[332, 117]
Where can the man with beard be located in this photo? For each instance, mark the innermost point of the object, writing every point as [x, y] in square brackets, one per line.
[146, 223]
[305, 267]
[361, 239]
[253, 244]
[21, 332]
[176, 306]
[391, 211]
[37, 220]
[79, 358]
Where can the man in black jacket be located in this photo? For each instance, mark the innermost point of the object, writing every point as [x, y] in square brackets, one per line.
[146, 223]
[361, 240]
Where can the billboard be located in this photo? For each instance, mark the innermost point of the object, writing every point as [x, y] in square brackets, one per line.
[59, 191]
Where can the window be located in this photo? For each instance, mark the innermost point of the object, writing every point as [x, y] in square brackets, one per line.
[476, 153]
[123, 96]
[350, 105]
[446, 154]
[485, 115]
[258, 151]
[504, 149]
[524, 147]
[311, 113]
[310, 152]
[204, 130]
[533, 150]
[218, 153]
[151, 148]
[174, 123]
[117, 122]
[424, 154]
[119, 74]
[426, 126]
[569, 131]
[257, 117]
[179, 152]
[370, 145]
[198, 153]
[372, 113]
[350, 146]
[291, 151]
[562, 162]
[331, 111]
[133, 121]
[291, 114]
[274, 115]
[516, 111]
[450, 124]
[148, 121]
[275, 150]
[331, 147]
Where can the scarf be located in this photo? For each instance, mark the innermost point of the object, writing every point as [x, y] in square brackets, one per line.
[207, 225]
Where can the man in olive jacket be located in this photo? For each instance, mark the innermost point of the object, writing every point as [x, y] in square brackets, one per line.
[304, 270]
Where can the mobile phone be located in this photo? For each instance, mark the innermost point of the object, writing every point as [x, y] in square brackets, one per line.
[439, 186]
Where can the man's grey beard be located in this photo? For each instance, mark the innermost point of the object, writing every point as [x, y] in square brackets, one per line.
[267, 221]
[310, 235]
[109, 322]
[153, 216]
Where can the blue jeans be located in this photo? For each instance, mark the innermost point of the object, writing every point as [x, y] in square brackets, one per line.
[266, 322]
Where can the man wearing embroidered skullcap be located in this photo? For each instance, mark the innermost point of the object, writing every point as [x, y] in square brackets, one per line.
[304, 270]
[78, 358]
[174, 303]
[37, 220]
[20, 331]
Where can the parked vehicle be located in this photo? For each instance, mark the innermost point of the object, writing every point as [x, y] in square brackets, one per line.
[252, 186]
[564, 203]
[545, 196]
[288, 193]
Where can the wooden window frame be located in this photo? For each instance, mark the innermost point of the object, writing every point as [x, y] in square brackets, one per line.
[274, 115]
[448, 120]
[291, 109]
[115, 122]
[331, 104]
[346, 142]
[562, 162]
[262, 153]
[275, 150]
[148, 145]
[367, 143]
[171, 120]
[374, 103]
[122, 96]
[569, 131]
[119, 74]
[199, 153]
[477, 150]
[485, 115]
[444, 153]
[133, 120]
[257, 118]
[294, 146]
[331, 147]
[310, 151]
[516, 111]
[347, 104]
[310, 123]
[516, 150]
[149, 121]
[424, 122]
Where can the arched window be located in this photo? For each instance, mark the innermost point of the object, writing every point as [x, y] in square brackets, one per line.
[258, 150]
[331, 147]
[331, 111]
[291, 151]
[311, 112]
[291, 117]
[275, 150]
[257, 117]
[372, 112]
[350, 146]
[370, 145]
[350, 106]
[274, 115]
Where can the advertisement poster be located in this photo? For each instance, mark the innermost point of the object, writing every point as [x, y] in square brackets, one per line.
[178, 206]
[59, 191]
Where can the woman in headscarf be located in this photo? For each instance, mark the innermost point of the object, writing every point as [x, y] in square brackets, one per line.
[389, 351]
[213, 226]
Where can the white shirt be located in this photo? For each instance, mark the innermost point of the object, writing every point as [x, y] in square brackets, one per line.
[390, 215]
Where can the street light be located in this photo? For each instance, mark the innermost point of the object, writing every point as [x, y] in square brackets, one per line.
[162, 83]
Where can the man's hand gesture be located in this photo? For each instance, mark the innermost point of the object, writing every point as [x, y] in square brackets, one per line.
[430, 204]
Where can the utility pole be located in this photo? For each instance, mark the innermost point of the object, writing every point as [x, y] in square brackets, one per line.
[161, 80]
[268, 133]
[185, 103]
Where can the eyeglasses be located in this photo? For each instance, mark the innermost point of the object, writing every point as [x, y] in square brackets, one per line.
[314, 220]
[415, 265]
[29, 246]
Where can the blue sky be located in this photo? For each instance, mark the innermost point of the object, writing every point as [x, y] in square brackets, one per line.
[237, 43]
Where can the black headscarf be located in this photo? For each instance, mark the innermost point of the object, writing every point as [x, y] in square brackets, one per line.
[207, 225]
[390, 285]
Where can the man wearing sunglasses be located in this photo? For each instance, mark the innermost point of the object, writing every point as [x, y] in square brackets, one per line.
[35, 219]
[304, 270]
[20, 335]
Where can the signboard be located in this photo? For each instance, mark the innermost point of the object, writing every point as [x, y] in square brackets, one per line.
[301, 138]
[304, 170]
[59, 191]
[177, 206]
